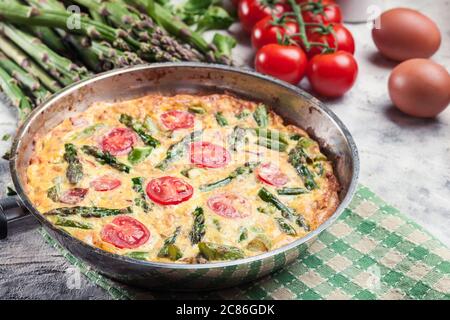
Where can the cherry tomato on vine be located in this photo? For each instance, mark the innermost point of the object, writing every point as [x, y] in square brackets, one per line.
[251, 11]
[321, 12]
[332, 74]
[344, 40]
[269, 30]
[287, 63]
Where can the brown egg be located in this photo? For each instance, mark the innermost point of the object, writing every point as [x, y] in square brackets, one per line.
[420, 88]
[403, 34]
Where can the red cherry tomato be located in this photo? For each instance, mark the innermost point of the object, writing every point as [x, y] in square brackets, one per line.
[169, 190]
[119, 141]
[125, 232]
[325, 12]
[332, 74]
[287, 63]
[229, 205]
[73, 196]
[208, 155]
[174, 120]
[271, 174]
[342, 39]
[251, 11]
[105, 183]
[265, 32]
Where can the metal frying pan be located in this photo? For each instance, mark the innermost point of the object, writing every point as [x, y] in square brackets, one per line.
[291, 103]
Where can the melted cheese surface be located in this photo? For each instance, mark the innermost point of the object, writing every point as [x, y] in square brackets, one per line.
[48, 168]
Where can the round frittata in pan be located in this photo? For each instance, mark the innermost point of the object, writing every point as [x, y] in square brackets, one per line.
[186, 178]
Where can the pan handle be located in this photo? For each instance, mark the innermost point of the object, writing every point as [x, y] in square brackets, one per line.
[11, 209]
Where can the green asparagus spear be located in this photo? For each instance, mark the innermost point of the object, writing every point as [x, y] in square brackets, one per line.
[221, 120]
[141, 201]
[178, 149]
[169, 249]
[86, 132]
[272, 144]
[59, 67]
[16, 55]
[178, 28]
[237, 138]
[72, 223]
[197, 109]
[318, 168]
[286, 212]
[261, 116]
[138, 155]
[15, 94]
[291, 191]
[243, 114]
[139, 128]
[198, 229]
[286, 227]
[299, 158]
[54, 193]
[247, 168]
[105, 158]
[138, 255]
[270, 135]
[74, 171]
[25, 80]
[19, 14]
[163, 47]
[243, 234]
[212, 252]
[295, 137]
[87, 212]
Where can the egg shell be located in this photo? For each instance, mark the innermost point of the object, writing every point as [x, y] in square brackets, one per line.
[420, 88]
[403, 34]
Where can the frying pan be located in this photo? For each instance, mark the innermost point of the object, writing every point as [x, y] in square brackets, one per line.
[292, 104]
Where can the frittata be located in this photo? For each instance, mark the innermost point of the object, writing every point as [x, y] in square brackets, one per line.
[185, 178]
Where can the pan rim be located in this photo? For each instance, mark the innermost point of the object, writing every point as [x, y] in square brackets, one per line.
[178, 266]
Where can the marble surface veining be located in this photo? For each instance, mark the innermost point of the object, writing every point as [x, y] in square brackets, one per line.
[404, 160]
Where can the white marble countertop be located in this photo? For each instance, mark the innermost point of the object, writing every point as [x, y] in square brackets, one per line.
[406, 161]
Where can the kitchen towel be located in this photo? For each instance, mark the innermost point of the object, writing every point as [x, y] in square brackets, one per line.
[371, 252]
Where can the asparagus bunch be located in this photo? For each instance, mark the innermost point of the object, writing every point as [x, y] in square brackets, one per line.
[44, 48]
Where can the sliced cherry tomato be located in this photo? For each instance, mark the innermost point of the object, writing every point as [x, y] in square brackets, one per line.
[125, 232]
[229, 205]
[169, 190]
[271, 174]
[208, 155]
[119, 141]
[251, 11]
[336, 36]
[105, 183]
[287, 63]
[73, 196]
[321, 12]
[270, 29]
[332, 74]
[176, 119]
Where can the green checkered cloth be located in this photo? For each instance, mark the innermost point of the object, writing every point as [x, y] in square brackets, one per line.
[371, 252]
